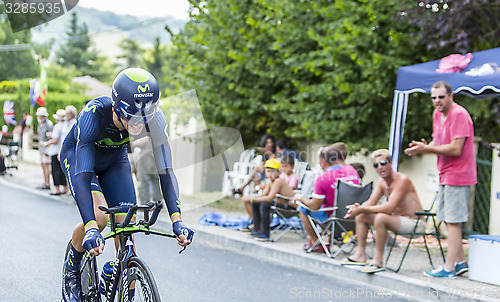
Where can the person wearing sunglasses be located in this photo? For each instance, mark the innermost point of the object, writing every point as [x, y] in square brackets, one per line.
[453, 143]
[398, 214]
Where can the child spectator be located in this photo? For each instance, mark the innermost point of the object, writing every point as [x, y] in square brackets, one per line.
[360, 168]
[287, 164]
[259, 207]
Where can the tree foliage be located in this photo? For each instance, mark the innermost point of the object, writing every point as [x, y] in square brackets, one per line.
[19, 63]
[319, 70]
[78, 50]
[461, 26]
[131, 52]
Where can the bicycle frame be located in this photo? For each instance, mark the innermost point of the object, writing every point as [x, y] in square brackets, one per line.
[123, 231]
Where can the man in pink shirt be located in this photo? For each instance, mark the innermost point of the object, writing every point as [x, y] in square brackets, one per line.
[331, 160]
[453, 143]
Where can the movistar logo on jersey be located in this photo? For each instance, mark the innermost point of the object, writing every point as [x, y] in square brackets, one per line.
[142, 92]
[88, 108]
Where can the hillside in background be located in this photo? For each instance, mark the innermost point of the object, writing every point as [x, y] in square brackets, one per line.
[107, 29]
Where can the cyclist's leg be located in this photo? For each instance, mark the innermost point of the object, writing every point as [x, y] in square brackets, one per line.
[71, 280]
[118, 186]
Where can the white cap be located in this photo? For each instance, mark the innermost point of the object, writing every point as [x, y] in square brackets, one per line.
[42, 111]
[71, 109]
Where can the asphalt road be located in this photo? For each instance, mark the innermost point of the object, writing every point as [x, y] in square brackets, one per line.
[35, 229]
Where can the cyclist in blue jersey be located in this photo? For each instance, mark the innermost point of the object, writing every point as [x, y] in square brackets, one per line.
[94, 159]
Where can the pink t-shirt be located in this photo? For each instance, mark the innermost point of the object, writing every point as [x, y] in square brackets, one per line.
[326, 183]
[455, 170]
[292, 180]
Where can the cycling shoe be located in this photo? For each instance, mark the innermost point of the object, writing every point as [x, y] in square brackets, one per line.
[71, 284]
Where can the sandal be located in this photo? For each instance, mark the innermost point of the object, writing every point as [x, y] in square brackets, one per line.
[237, 191]
[348, 261]
[43, 187]
[317, 249]
[373, 268]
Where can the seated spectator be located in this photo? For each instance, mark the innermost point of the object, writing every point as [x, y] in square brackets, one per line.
[331, 160]
[259, 207]
[267, 148]
[287, 164]
[282, 149]
[360, 168]
[395, 215]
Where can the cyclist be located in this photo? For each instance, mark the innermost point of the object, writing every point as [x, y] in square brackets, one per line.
[94, 159]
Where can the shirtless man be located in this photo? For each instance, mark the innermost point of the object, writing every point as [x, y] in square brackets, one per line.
[398, 214]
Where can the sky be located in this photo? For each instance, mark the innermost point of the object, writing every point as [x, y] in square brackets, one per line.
[143, 8]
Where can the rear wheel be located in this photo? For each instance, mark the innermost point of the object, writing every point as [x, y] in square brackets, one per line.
[139, 283]
[89, 277]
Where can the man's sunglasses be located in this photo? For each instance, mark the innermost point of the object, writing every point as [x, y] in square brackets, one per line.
[382, 163]
[439, 96]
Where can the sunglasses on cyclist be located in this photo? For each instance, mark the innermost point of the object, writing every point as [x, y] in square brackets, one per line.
[439, 96]
[382, 163]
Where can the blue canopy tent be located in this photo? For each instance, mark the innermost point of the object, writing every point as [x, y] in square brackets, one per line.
[420, 77]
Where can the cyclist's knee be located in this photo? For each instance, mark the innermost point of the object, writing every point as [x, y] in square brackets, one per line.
[102, 220]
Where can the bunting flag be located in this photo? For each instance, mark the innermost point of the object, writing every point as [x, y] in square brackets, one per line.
[43, 86]
[34, 91]
[8, 113]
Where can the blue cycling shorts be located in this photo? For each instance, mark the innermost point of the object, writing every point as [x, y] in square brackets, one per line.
[111, 177]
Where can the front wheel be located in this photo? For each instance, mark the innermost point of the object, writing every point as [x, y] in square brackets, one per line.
[138, 282]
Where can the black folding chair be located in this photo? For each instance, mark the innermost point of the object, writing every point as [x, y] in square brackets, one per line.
[336, 230]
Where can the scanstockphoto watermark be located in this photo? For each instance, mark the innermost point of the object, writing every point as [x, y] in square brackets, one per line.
[372, 294]
[25, 14]
[351, 293]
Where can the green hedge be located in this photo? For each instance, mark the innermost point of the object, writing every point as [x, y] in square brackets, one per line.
[55, 100]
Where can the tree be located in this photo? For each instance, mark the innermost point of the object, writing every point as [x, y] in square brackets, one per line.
[132, 53]
[78, 50]
[322, 70]
[19, 62]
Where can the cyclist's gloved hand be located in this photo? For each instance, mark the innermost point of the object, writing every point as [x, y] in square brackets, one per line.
[181, 229]
[92, 240]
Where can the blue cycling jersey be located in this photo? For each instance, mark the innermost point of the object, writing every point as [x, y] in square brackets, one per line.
[94, 159]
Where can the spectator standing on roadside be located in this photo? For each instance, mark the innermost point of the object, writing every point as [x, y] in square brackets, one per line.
[69, 121]
[453, 143]
[148, 181]
[53, 147]
[44, 126]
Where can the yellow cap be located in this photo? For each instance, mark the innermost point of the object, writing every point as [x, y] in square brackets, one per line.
[273, 164]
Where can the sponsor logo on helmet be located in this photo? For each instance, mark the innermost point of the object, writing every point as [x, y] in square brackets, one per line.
[142, 89]
[114, 91]
[142, 92]
[143, 95]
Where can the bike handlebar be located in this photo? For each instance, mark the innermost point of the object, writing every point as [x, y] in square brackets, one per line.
[157, 205]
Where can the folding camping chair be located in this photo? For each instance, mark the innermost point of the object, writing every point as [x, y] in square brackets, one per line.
[425, 215]
[288, 218]
[336, 230]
